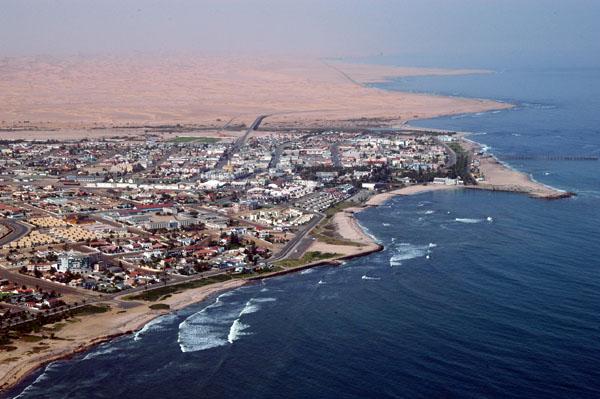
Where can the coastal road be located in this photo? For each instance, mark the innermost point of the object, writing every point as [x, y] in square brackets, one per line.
[17, 230]
[239, 143]
[451, 154]
[31, 281]
[300, 240]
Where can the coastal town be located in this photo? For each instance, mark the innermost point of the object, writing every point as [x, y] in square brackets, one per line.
[87, 221]
[90, 220]
[106, 226]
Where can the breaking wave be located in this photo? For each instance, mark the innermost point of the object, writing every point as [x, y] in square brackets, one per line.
[154, 325]
[468, 220]
[102, 350]
[217, 325]
[405, 251]
[365, 277]
[40, 378]
[427, 212]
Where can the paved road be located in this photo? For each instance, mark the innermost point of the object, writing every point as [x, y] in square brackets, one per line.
[30, 281]
[239, 143]
[277, 154]
[18, 230]
[451, 154]
[299, 240]
[335, 155]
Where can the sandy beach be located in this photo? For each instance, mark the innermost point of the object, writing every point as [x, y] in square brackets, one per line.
[500, 177]
[348, 228]
[87, 331]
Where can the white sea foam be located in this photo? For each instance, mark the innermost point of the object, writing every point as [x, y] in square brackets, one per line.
[263, 300]
[103, 350]
[236, 331]
[405, 251]
[307, 271]
[321, 282]
[264, 289]
[368, 232]
[42, 377]
[468, 220]
[385, 224]
[153, 325]
[213, 327]
[203, 329]
[365, 277]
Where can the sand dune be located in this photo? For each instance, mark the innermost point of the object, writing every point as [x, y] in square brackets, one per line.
[111, 91]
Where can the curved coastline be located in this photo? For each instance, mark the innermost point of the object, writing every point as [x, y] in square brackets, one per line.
[348, 227]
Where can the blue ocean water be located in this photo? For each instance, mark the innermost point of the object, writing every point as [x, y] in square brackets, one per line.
[476, 295]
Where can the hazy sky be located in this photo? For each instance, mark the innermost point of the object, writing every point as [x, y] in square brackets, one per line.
[475, 29]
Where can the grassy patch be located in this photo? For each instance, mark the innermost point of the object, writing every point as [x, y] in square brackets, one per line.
[308, 257]
[55, 327]
[340, 206]
[91, 309]
[326, 231]
[274, 269]
[192, 139]
[159, 306]
[154, 294]
[7, 348]
[30, 338]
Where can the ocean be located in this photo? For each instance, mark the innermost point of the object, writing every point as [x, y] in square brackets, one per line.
[476, 295]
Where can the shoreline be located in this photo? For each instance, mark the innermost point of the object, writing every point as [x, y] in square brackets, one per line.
[124, 324]
[499, 176]
[113, 324]
[346, 225]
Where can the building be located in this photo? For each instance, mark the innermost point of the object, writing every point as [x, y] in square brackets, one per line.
[74, 262]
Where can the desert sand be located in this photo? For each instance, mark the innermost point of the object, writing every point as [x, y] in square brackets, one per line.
[107, 92]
